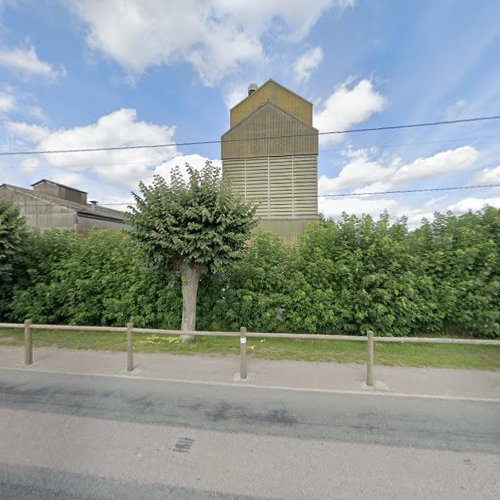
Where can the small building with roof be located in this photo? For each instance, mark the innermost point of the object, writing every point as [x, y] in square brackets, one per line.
[50, 205]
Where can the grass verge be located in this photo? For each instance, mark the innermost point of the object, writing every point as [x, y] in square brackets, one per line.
[418, 355]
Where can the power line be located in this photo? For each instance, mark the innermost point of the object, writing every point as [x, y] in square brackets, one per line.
[159, 161]
[220, 141]
[399, 191]
[405, 144]
[343, 195]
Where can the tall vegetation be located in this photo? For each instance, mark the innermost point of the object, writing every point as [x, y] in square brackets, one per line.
[13, 234]
[342, 276]
[195, 227]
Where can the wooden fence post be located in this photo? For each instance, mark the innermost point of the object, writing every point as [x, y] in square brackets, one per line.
[28, 343]
[370, 360]
[130, 347]
[243, 353]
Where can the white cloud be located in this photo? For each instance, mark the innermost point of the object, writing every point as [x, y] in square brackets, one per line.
[194, 160]
[119, 128]
[348, 106]
[474, 204]
[28, 132]
[359, 205]
[360, 169]
[445, 162]
[7, 102]
[30, 165]
[215, 36]
[487, 176]
[27, 62]
[367, 175]
[307, 63]
[235, 94]
[333, 207]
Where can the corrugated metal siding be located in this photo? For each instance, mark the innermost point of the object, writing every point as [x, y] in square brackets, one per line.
[284, 187]
[288, 229]
[85, 223]
[285, 136]
[60, 191]
[45, 214]
[39, 213]
[277, 94]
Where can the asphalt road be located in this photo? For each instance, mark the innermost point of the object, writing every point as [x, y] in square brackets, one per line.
[76, 437]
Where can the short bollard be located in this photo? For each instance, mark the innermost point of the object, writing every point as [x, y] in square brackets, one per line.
[243, 353]
[369, 363]
[28, 343]
[130, 347]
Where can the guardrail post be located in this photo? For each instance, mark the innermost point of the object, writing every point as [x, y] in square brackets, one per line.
[370, 360]
[28, 343]
[243, 353]
[130, 347]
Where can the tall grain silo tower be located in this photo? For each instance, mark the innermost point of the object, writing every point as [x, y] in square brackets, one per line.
[270, 156]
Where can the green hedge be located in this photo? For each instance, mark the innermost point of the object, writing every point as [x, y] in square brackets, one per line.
[342, 276]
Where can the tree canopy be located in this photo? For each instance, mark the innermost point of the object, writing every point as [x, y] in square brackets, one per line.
[12, 249]
[195, 225]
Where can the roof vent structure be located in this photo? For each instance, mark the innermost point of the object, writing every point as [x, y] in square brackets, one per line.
[252, 88]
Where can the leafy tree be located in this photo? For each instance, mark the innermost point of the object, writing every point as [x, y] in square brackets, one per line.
[13, 235]
[195, 226]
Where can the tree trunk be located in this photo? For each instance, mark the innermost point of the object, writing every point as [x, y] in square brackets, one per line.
[190, 279]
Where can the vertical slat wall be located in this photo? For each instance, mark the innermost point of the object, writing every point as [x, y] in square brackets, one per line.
[305, 186]
[284, 187]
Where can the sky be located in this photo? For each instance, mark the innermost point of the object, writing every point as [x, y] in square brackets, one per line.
[97, 73]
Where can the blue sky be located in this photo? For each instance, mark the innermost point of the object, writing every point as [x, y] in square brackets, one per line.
[90, 73]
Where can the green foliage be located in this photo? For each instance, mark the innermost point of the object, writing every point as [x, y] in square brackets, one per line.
[343, 276]
[13, 235]
[346, 276]
[462, 256]
[198, 222]
[356, 274]
[99, 280]
[255, 291]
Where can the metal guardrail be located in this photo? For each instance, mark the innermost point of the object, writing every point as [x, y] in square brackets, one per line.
[370, 340]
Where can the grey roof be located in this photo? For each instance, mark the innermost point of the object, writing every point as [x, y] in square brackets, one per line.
[58, 184]
[86, 209]
[259, 109]
[270, 82]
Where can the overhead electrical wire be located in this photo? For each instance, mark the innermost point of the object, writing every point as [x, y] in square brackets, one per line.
[399, 191]
[407, 144]
[368, 129]
[322, 152]
[220, 141]
[372, 193]
[337, 195]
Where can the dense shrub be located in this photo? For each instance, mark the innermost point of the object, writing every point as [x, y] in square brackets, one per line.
[461, 257]
[99, 280]
[342, 276]
[13, 246]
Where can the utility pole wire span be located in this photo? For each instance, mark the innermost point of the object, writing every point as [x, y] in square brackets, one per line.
[220, 141]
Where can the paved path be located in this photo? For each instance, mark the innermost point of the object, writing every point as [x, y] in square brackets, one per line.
[263, 373]
[73, 436]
